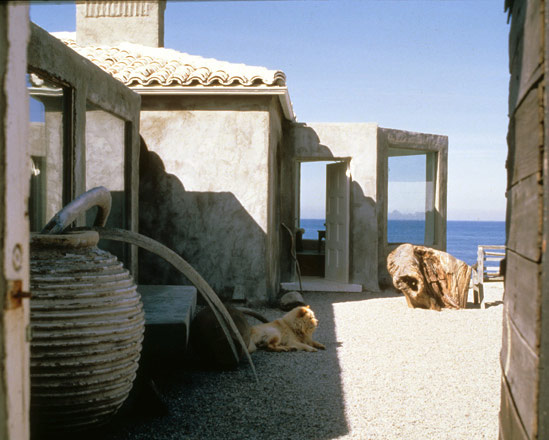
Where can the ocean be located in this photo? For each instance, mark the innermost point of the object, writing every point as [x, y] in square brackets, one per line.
[462, 238]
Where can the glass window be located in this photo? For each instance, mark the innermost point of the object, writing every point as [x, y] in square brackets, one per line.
[411, 192]
[46, 167]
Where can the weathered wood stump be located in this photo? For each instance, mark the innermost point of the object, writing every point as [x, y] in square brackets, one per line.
[428, 278]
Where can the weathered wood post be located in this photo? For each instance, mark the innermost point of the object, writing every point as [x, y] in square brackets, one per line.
[525, 345]
[478, 287]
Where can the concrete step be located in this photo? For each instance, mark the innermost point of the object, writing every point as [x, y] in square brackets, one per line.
[317, 284]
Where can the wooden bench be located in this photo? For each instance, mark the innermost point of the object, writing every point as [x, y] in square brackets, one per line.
[487, 269]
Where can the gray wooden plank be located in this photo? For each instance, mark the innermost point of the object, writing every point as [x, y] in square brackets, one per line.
[510, 425]
[525, 225]
[520, 364]
[522, 295]
[528, 138]
[520, 351]
[543, 413]
[525, 50]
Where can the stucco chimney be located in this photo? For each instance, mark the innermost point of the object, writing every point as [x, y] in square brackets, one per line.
[112, 22]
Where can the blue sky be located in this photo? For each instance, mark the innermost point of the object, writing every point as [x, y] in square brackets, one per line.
[435, 66]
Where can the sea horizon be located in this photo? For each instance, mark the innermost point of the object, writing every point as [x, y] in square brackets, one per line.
[486, 221]
[462, 236]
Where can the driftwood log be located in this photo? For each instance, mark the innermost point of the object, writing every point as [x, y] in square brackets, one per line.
[428, 278]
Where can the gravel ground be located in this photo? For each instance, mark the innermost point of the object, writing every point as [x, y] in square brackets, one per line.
[389, 372]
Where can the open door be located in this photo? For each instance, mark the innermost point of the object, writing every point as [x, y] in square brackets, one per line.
[337, 222]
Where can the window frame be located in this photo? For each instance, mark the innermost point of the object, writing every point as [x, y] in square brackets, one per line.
[420, 143]
[85, 82]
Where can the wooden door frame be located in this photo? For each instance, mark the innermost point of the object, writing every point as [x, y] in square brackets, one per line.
[14, 225]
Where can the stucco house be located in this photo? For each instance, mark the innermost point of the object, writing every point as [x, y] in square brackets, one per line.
[220, 159]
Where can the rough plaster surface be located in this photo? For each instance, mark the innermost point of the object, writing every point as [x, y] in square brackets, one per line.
[54, 156]
[105, 162]
[213, 152]
[358, 143]
[104, 150]
[276, 252]
[110, 22]
[37, 133]
[204, 192]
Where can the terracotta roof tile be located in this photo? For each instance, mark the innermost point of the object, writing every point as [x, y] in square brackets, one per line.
[137, 65]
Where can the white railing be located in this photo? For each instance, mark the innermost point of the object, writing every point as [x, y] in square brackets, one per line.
[487, 269]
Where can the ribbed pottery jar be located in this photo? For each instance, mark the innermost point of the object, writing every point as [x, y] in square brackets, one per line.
[87, 325]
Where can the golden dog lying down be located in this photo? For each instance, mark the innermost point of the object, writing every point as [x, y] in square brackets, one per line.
[294, 331]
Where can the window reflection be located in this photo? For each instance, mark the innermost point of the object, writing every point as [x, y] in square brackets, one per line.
[46, 147]
[411, 192]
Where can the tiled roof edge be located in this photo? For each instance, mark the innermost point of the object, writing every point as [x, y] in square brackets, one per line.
[136, 65]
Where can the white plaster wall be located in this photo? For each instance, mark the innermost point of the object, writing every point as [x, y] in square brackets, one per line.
[211, 191]
[104, 150]
[274, 199]
[54, 162]
[111, 22]
[105, 166]
[37, 134]
[359, 143]
[215, 151]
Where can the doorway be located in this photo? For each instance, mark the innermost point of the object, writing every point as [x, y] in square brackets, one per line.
[323, 221]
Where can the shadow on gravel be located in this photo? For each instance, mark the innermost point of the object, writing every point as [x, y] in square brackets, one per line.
[299, 395]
